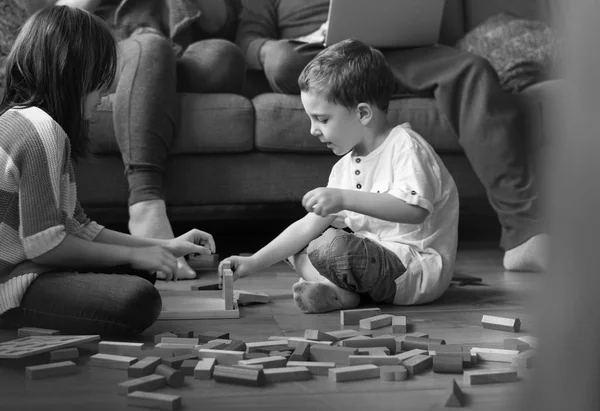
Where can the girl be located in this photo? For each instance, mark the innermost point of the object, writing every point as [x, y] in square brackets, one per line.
[58, 269]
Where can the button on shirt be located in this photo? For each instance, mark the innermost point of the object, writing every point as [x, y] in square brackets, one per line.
[406, 166]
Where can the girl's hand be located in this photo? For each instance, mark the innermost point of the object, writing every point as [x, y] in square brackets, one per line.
[192, 242]
[323, 201]
[241, 267]
[154, 259]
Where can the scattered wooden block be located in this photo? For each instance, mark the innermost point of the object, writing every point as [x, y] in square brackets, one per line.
[338, 355]
[409, 354]
[262, 354]
[465, 356]
[32, 331]
[37, 372]
[315, 368]
[378, 321]
[188, 366]
[442, 348]
[447, 364]
[236, 345]
[353, 317]
[147, 383]
[345, 334]
[319, 336]
[277, 338]
[248, 298]
[301, 353]
[494, 354]
[119, 362]
[207, 336]
[173, 377]
[216, 345]
[266, 362]
[399, 324]
[180, 341]
[267, 346]
[373, 359]
[120, 348]
[145, 366]
[227, 293]
[286, 354]
[410, 343]
[532, 341]
[455, 396]
[64, 354]
[204, 369]
[393, 373]
[175, 362]
[355, 372]
[154, 400]
[293, 342]
[158, 337]
[475, 377]
[374, 351]
[501, 323]
[239, 375]
[178, 349]
[524, 359]
[417, 364]
[223, 357]
[389, 343]
[287, 374]
[515, 344]
[182, 334]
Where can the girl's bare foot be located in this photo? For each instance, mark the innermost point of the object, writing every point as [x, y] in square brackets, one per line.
[322, 296]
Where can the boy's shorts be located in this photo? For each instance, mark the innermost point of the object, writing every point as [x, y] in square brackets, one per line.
[356, 264]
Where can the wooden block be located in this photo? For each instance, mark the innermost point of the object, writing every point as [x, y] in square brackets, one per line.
[207, 336]
[145, 366]
[157, 352]
[248, 298]
[447, 364]
[409, 354]
[293, 342]
[373, 359]
[177, 340]
[353, 317]
[223, 357]
[494, 354]
[64, 354]
[349, 333]
[266, 362]
[173, 377]
[378, 321]
[147, 383]
[515, 344]
[182, 334]
[355, 372]
[389, 343]
[286, 354]
[532, 341]
[338, 355]
[524, 359]
[475, 377]
[399, 324]
[277, 338]
[301, 353]
[228, 289]
[455, 397]
[239, 375]
[216, 345]
[393, 373]
[276, 345]
[32, 331]
[465, 356]
[204, 262]
[158, 337]
[236, 345]
[120, 348]
[154, 400]
[318, 336]
[188, 366]
[286, 374]
[263, 355]
[410, 343]
[119, 362]
[315, 368]
[440, 348]
[196, 305]
[37, 372]
[417, 364]
[501, 323]
[204, 369]
[175, 362]
[374, 351]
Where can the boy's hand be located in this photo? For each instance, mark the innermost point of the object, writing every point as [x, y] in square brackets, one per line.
[192, 242]
[241, 267]
[154, 259]
[323, 201]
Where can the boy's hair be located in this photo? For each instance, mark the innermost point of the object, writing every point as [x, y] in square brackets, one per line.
[348, 73]
[60, 55]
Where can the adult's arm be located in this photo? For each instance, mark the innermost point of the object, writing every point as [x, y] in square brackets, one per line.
[257, 28]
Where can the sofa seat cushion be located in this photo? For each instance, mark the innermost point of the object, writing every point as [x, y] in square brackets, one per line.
[283, 126]
[208, 123]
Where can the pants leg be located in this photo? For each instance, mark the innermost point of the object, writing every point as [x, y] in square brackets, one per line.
[111, 305]
[489, 126]
[356, 264]
[145, 111]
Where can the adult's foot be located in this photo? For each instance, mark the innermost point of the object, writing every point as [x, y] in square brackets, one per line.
[322, 296]
[532, 255]
[149, 219]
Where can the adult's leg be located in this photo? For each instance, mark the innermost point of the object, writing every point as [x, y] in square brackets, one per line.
[211, 66]
[145, 118]
[285, 61]
[111, 305]
[490, 127]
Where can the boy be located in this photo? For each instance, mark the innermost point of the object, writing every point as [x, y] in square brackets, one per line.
[390, 188]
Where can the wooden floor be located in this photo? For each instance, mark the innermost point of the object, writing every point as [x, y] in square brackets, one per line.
[455, 317]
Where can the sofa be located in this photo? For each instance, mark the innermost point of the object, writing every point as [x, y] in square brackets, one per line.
[251, 157]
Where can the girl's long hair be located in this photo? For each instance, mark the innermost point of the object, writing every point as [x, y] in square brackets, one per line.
[60, 55]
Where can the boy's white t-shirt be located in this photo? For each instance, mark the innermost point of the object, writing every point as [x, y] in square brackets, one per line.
[406, 167]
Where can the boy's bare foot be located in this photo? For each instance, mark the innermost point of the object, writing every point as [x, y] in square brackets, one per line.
[322, 296]
[149, 219]
[530, 256]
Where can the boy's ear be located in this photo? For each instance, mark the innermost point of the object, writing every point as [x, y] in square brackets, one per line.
[364, 112]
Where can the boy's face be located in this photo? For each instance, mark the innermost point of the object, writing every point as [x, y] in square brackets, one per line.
[334, 125]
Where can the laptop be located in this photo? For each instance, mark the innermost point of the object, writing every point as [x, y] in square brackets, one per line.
[385, 23]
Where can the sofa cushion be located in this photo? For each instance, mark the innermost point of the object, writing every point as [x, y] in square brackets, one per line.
[283, 126]
[208, 123]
